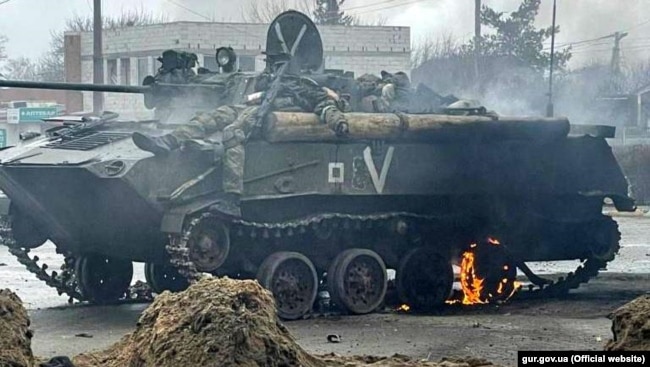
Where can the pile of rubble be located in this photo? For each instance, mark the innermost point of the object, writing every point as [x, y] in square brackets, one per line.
[15, 336]
[631, 326]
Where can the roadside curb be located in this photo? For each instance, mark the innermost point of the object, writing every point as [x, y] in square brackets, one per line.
[639, 213]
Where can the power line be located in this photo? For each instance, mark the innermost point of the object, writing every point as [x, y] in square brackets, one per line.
[389, 7]
[190, 10]
[354, 14]
[638, 25]
[368, 5]
[4, 1]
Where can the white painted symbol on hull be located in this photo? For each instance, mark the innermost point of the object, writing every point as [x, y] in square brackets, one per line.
[378, 180]
[336, 173]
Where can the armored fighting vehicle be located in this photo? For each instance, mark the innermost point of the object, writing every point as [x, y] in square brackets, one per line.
[414, 192]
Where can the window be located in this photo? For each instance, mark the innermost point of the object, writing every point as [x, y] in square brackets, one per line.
[125, 71]
[210, 62]
[246, 63]
[143, 68]
[111, 68]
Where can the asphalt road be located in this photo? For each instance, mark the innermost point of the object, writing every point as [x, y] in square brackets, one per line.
[494, 332]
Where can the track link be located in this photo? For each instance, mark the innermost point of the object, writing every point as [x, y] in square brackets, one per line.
[586, 271]
[64, 282]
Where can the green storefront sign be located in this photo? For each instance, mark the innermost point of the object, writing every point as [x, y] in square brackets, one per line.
[3, 138]
[31, 114]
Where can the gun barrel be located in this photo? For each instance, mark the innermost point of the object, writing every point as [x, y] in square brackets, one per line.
[74, 86]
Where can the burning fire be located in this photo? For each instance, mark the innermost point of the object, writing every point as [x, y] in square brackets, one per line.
[471, 284]
[474, 285]
[404, 308]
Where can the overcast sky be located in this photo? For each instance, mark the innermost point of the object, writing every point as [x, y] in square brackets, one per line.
[28, 23]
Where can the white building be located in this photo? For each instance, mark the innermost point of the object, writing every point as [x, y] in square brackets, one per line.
[130, 53]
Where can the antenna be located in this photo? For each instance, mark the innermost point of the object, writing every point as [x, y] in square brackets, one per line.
[549, 106]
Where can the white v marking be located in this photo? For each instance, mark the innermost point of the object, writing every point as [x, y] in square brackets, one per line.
[378, 180]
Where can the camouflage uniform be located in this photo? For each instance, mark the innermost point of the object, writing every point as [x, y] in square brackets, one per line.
[237, 122]
[396, 93]
[390, 93]
[370, 87]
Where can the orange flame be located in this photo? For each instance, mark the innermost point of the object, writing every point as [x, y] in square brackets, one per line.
[404, 308]
[474, 287]
[471, 284]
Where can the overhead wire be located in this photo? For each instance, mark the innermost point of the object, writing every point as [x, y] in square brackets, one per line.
[190, 10]
[389, 7]
[354, 14]
[369, 5]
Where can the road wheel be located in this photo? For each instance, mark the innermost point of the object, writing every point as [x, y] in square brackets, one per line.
[164, 278]
[103, 279]
[209, 245]
[424, 279]
[293, 280]
[357, 280]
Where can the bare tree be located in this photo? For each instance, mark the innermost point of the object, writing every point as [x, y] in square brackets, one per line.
[3, 41]
[373, 22]
[21, 68]
[264, 11]
[445, 46]
[51, 67]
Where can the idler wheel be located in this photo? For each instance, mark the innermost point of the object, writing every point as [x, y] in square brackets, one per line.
[25, 231]
[103, 279]
[293, 280]
[357, 280]
[424, 279]
[163, 277]
[209, 245]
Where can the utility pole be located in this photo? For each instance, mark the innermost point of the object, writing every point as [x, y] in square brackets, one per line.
[98, 61]
[549, 107]
[477, 41]
[616, 53]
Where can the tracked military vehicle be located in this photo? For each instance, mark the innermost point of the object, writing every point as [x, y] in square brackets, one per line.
[415, 192]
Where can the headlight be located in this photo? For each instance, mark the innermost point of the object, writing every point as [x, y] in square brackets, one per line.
[226, 58]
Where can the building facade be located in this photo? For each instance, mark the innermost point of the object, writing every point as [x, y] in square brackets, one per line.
[130, 53]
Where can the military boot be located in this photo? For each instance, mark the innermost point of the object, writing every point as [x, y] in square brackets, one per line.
[158, 145]
[229, 205]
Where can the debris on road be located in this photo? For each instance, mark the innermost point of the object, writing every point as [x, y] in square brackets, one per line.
[333, 338]
[60, 361]
[631, 326]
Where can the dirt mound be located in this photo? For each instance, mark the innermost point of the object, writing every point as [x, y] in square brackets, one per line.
[631, 326]
[224, 322]
[216, 322]
[15, 336]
